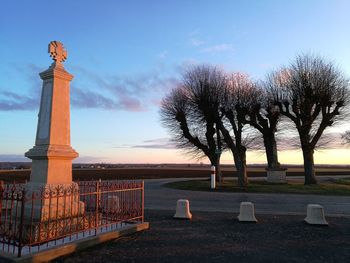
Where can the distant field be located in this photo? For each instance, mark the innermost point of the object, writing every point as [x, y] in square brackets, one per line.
[162, 172]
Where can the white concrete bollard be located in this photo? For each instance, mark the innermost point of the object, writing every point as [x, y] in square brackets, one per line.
[113, 204]
[246, 212]
[315, 215]
[212, 177]
[183, 209]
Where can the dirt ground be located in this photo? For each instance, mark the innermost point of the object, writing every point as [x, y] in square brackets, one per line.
[219, 237]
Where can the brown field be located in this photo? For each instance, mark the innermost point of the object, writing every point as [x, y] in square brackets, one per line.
[163, 172]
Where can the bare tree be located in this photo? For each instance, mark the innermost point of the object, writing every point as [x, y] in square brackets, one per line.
[190, 112]
[346, 137]
[312, 93]
[235, 98]
[261, 113]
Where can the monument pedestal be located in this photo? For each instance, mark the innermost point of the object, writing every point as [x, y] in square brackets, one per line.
[52, 164]
[276, 175]
[52, 201]
[51, 210]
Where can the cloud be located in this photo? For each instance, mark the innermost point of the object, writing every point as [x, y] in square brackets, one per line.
[134, 93]
[187, 64]
[218, 48]
[160, 143]
[88, 99]
[205, 47]
[154, 146]
[156, 102]
[163, 54]
[195, 42]
[130, 93]
[12, 101]
[131, 104]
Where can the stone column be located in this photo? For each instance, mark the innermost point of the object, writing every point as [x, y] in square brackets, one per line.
[52, 154]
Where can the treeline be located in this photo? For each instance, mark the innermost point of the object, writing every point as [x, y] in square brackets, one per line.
[212, 111]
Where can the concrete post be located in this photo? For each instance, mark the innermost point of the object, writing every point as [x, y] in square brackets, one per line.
[183, 209]
[212, 178]
[315, 215]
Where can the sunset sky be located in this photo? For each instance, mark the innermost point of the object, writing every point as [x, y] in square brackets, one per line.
[126, 55]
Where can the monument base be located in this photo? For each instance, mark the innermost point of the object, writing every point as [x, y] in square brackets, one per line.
[45, 212]
[52, 229]
[276, 175]
[52, 201]
[51, 164]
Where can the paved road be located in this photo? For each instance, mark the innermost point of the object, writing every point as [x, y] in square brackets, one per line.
[159, 197]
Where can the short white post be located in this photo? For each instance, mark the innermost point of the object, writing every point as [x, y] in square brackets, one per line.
[112, 204]
[212, 177]
[315, 215]
[183, 209]
[246, 212]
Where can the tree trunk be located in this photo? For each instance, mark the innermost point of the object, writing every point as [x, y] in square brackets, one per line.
[241, 167]
[271, 150]
[309, 167]
[218, 177]
[218, 155]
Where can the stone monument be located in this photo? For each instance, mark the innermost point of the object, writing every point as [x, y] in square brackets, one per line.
[276, 175]
[52, 154]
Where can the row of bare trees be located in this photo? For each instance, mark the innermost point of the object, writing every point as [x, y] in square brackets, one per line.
[210, 111]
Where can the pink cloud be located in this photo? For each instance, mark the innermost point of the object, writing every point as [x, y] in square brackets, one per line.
[131, 104]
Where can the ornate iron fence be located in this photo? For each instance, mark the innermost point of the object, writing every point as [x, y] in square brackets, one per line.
[32, 218]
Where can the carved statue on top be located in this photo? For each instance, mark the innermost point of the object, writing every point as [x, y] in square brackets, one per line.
[57, 52]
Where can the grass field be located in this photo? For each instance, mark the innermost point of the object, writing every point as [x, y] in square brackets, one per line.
[329, 187]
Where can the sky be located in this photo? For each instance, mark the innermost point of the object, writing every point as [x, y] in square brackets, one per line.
[127, 55]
